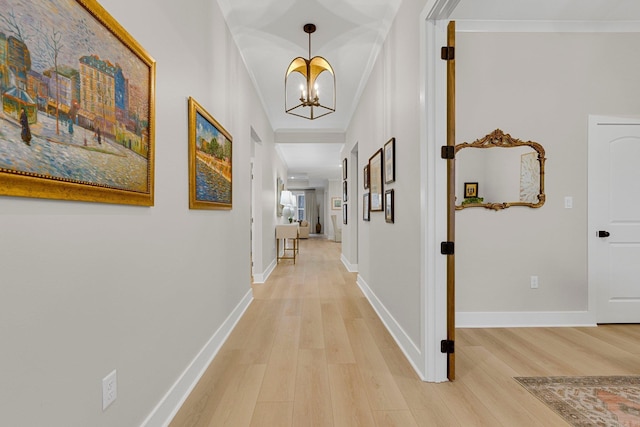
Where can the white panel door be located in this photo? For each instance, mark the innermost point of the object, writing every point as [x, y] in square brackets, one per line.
[614, 218]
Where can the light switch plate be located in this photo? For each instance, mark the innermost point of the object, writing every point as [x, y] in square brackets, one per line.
[568, 202]
[534, 282]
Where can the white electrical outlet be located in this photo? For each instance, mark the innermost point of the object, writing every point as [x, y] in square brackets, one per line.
[109, 389]
[534, 282]
[568, 202]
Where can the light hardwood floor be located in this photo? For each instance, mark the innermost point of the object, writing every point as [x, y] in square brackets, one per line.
[310, 351]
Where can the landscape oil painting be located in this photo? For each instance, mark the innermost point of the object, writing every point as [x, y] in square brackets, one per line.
[78, 95]
[210, 155]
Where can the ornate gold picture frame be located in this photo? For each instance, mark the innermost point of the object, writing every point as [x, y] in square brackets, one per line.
[521, 168]
[78, 105]
[210, 161]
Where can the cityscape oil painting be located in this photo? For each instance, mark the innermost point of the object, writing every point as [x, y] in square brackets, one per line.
[210, 155]
[78, 94]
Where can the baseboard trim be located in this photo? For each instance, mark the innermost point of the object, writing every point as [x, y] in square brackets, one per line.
[351, 268]
[524, 319]
[261, 278]
[171, 402]
[411, 351]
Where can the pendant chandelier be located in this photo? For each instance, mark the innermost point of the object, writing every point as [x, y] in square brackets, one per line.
[309, 104]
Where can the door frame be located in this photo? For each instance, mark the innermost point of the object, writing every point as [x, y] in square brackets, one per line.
[433, 188]
[451, 200]
[434, 18]
[256, 210]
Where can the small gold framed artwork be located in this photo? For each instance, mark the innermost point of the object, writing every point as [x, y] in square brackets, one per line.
[470, 189]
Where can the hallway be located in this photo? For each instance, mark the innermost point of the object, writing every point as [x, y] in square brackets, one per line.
[310, 351]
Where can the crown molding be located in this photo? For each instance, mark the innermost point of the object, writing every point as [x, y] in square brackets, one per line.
[484, 26]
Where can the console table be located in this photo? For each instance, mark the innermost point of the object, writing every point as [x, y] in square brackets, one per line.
[287, 232]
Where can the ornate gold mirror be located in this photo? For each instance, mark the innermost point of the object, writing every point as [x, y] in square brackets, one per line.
[510, 174]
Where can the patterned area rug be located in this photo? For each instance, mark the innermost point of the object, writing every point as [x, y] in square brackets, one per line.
[589, 401]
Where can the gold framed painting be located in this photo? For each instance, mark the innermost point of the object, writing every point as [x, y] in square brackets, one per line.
[78, 105]
[210, 161]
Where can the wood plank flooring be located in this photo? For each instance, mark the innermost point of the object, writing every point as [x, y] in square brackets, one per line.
[310, 351]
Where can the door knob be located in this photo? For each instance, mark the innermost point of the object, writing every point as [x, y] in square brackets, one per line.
[603, 233]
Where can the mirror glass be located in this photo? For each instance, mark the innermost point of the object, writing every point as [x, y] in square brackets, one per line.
[498, 171]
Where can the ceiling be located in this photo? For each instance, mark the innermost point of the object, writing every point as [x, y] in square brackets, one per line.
[269, 35]
[349, 35]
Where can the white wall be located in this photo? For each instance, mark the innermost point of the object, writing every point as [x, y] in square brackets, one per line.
[273, 168]
[88, 288]
[540, 87]
[389, 256]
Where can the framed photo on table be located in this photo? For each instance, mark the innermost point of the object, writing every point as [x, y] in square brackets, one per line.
[375, 181]
[470, 189]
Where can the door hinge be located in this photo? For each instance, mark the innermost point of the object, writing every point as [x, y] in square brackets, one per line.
[446, 248]
[448, 152]
[447, 346]
[448, 53]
